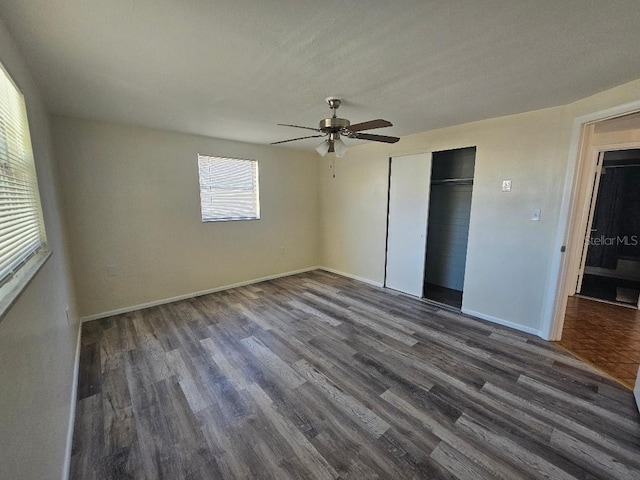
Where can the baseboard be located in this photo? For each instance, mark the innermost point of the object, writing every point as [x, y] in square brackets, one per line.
[609, 302]
[349, 275]
[163, 301]
[504, 323]
[72, 409]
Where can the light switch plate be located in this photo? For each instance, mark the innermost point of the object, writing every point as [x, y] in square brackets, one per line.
[535, 214]
[506, 185]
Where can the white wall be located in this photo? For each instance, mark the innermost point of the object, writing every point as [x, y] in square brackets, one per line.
[37, 346]
[505, 247]
[509, 256]
[132, 198]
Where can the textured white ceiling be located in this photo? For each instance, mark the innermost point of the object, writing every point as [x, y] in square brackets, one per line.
[233, 69]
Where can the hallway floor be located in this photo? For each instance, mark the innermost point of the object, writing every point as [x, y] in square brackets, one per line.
[605, 335]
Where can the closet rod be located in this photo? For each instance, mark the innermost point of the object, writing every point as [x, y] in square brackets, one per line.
[453, 181]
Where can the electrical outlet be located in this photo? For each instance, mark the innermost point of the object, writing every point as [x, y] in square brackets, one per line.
[112, 270]
[283, 251]
[506, 185]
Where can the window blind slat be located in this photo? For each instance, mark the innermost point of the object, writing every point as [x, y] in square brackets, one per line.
[14, 205]
[17, 232]
[228, 188]
[21, 225]
[17, 243]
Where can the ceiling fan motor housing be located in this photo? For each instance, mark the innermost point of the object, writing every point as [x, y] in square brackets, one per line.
[333, 124]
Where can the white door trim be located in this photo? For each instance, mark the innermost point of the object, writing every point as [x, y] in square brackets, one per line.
[595, 185]
[559, 283]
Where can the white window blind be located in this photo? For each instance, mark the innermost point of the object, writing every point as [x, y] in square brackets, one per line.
[21, 225]
[228, 189]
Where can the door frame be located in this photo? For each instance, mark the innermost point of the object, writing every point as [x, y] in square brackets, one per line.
[595, 189]
[568, 244]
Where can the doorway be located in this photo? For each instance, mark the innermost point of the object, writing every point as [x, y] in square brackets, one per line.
[610, 265]
[448, 225]
[601, 319]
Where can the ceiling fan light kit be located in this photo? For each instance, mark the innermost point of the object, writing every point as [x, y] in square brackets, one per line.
[323, 147]
[333, 128]
[340, 148]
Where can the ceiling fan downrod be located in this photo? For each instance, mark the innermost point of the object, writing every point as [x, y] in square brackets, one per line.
[333, 124]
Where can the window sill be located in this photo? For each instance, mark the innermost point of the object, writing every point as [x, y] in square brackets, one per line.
[11, 291]
[245, 219]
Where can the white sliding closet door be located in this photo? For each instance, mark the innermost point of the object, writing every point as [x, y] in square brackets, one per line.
[407, 227]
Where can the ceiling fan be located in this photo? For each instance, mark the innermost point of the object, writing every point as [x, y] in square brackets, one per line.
[333, 128]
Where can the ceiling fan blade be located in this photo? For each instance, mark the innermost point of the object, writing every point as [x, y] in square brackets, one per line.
[294, 139]
[370, 125]
[375, 138]
[331, 149]
[299, 126]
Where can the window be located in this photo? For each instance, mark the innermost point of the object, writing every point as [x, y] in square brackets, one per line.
[228, 189]
[21, 224]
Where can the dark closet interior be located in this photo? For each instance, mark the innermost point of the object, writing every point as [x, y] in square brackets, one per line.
[612, 268]
[448, 225]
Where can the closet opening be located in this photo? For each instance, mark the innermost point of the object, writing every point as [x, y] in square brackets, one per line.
[448, 225]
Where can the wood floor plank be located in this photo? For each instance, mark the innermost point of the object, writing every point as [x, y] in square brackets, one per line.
[369, 420]
[456, 463]
[447, 433]
[117, 411]
[229, 459]
[88, 452]
[604, 463]
[317, 376]
[612, 417]
[189, 445]
[193, 390]
[512, 451]
[89, 374]
[364, 321]
[274, 364]
[602, 440]
[304, 450]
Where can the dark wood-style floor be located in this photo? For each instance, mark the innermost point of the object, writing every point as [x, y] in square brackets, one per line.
[606, 335]
[316, 376]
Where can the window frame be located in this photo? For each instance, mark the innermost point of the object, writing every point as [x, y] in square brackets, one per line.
[256, 190]
[22, 273]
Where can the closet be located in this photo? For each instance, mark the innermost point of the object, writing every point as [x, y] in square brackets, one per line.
[448, 225]
[428, 224]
